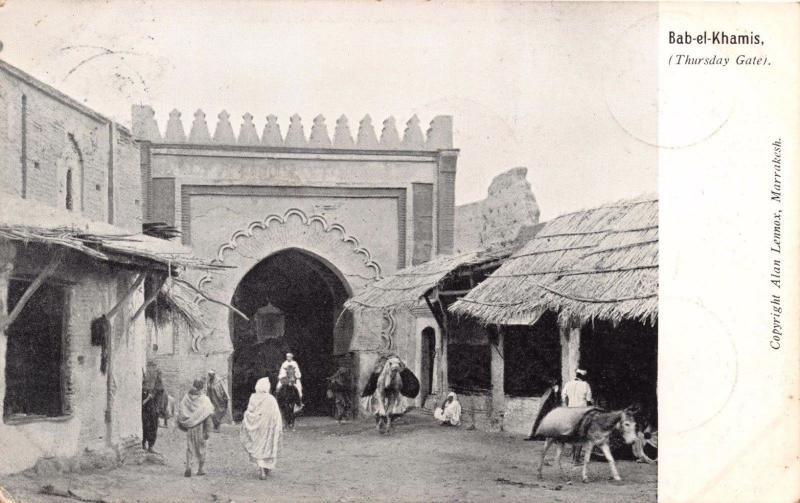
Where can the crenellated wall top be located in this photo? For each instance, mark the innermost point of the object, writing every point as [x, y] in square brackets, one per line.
[439, 135]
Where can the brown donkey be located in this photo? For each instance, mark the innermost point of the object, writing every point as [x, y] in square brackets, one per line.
[593, 429]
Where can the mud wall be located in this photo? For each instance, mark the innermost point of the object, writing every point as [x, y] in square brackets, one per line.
[509, 208]
[92, 289]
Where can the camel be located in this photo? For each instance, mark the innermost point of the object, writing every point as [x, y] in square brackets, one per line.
[589, 426]
[382, 395]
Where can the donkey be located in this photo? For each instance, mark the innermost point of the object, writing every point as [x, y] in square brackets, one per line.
[593, 429]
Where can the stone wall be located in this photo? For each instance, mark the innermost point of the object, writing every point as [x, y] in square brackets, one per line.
[509, 208]
[44, 133]
[92, 289]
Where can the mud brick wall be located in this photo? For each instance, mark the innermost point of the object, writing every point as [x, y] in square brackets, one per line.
[184, 364]
[91, 290]
[43, 132]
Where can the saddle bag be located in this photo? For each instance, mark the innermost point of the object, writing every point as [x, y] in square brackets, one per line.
[562, 421]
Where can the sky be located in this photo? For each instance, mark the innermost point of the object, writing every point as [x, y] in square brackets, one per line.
[567, 90]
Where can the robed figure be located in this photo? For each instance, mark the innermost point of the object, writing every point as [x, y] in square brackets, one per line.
[219, 398]
[262, 428]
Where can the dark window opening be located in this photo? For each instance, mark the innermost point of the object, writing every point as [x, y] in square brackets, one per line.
[68, 182]
[532, 357]
[35, 353]
[469, 367]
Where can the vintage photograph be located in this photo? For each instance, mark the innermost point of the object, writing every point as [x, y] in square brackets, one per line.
[264, 251]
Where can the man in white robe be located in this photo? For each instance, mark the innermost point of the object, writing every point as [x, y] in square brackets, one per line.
[262, 427]
[194, 417]
[577, 393]
[282, 374]
[449, 414]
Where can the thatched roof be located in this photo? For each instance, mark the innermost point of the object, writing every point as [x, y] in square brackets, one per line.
[598, 263]
[32, 221]
[404, 289]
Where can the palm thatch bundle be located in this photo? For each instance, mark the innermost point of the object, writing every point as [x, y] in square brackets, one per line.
[404, 289]
[160, 230]
[600, 263]
[174, 303]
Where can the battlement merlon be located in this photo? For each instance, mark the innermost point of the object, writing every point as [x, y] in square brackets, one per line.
[439, 135]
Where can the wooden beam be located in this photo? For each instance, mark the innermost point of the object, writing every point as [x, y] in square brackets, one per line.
[149, 300]
[215, 301]
[455, 292]
[436, 314]
[48, 271]
[135, 286]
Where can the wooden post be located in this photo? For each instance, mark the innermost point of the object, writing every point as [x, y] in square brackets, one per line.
[570, 338]
[498, 376]
[110, 381]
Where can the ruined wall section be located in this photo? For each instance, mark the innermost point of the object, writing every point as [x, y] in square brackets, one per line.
[508, 210]
[45, 132]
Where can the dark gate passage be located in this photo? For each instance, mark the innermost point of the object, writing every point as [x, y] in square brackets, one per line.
[293, 300]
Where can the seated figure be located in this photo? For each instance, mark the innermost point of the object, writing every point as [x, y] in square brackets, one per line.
[449, 413]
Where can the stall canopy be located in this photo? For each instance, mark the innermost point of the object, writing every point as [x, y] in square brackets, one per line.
[405, 288]
[25, 220]
[600, 263]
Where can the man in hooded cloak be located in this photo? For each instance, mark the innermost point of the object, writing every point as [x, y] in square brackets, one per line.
[262, 427]
[194, 417]
[219, 398]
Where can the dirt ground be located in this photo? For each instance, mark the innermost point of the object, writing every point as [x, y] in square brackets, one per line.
[324, 461]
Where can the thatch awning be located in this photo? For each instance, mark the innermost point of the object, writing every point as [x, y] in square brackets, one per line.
[32, 221]
[404, 289]
[598, 263]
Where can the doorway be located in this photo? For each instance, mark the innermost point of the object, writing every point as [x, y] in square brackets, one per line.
[294, 300]
[427, 361]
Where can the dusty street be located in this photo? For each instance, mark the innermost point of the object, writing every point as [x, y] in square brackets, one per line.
[324, 461]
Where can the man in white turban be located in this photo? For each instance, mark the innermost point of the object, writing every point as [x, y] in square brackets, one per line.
[262, 427]
[577, 392]
[290, 369]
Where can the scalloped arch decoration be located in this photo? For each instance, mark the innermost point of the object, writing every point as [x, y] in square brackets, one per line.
[294, 229]
[313, 234]
[306, 220]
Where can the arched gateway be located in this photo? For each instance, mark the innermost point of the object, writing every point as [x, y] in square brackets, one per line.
[290, 276]
[284, 209]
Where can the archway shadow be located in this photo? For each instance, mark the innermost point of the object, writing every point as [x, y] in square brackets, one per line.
[294, 300]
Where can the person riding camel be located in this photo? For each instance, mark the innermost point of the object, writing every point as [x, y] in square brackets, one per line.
[283, 375]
